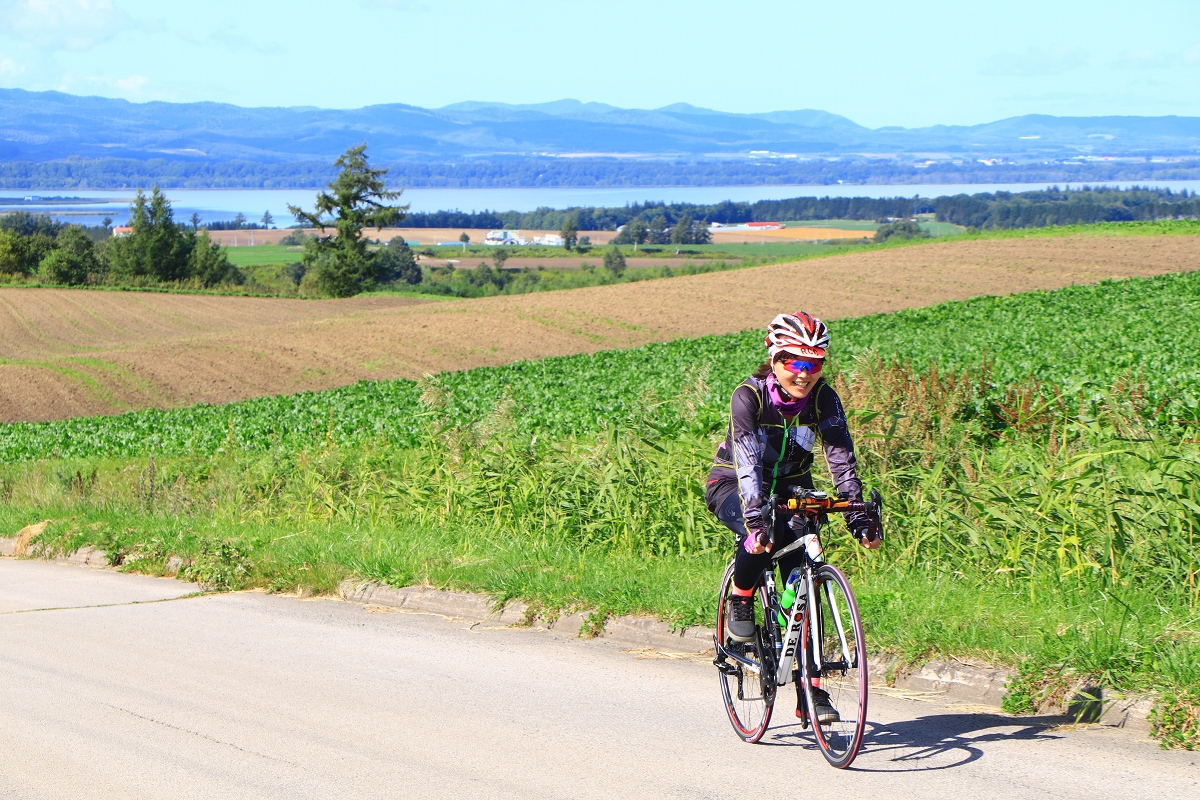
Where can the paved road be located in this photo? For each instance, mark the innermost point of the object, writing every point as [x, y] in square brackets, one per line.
[116, 691]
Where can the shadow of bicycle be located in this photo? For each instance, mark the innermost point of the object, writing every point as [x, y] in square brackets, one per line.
[934, 742]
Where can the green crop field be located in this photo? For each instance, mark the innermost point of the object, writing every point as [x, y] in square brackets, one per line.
[263, 254]
[1038, 454]
[868, 228]
[942, 228]
[865, 225]
[1053, 337]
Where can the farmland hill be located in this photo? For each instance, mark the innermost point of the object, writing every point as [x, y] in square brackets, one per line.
[41, 127]
[70, 353]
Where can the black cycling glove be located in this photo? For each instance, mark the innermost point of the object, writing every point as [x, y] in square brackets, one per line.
[867, 528]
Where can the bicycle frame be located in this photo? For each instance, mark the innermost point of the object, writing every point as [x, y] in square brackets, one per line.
[785, 645]
[790, 641]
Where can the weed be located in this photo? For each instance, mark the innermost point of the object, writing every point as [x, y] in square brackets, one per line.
[220, 566]
[593, 624]
[1175, 719]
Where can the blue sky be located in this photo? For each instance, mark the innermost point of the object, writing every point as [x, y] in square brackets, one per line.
[878, 63]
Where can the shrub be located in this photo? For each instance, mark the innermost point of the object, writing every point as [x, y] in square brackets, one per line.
[72, 260]
[614, 261]
[904, 229]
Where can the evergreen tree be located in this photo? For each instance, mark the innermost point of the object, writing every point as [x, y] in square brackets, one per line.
[569, 233]
[344, 264]
[209, 264]
[682, 232]
[658, 233]
[156, 248]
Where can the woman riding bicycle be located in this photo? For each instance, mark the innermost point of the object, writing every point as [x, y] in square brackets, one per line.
[777, 415]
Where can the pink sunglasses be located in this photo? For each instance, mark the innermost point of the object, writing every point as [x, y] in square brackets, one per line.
[798, 365]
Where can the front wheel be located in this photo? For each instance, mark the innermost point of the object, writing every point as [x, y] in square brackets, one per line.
[842, 665]
[748, 687]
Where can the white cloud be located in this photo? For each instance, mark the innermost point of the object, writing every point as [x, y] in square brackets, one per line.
[1192, 54]
[397, 5]
[1142, 59]
[1033, 62]
[9, 68]
[133, 84]
[62, 24]
[129, 86]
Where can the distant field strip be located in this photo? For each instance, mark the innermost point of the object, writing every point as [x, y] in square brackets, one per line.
[178, 350]
[1055, 337]
[805, 233]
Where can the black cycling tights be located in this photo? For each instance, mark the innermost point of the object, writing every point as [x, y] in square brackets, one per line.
[748, 568]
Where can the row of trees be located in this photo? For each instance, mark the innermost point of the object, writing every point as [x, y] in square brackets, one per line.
[117, 173]
[1065, 207]
[157, 251]
[663, 216]
[238, 223]
[685, 231]
[996, 210]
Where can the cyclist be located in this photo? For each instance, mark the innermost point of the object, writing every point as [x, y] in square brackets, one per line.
[776, 417]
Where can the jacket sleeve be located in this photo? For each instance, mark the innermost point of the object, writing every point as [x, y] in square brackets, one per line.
[747, 455]
[839, 447]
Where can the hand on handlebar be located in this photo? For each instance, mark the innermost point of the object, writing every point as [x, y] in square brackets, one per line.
[868, 534]
[757, 542]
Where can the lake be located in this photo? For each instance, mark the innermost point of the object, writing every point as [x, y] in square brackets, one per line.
[224, 204]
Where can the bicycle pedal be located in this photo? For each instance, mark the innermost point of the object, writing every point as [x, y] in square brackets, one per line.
[726, 668]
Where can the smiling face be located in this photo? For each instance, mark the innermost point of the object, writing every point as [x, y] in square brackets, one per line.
[797, 374]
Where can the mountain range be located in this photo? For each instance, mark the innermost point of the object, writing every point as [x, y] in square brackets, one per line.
[49, 126]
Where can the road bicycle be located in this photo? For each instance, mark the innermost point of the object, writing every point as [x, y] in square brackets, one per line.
[810, 633]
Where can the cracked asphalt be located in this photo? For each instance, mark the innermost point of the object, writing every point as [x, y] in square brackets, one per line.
[121, 686]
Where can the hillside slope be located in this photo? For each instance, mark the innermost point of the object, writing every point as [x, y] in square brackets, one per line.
[42, 126]
[72, 353]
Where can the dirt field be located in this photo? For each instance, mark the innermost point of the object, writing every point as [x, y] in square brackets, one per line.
[427, 236]
[562, 262]
[69, 353]
[424, 236]
[796, 234]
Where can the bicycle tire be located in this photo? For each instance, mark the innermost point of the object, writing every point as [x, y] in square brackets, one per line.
[843, 672]
[749, 698]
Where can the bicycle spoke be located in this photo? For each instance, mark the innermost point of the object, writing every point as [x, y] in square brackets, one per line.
[747, 685]
[836, 623]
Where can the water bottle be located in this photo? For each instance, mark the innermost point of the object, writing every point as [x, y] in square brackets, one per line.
[795, 586]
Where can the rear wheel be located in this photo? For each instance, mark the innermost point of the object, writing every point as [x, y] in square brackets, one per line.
[748, 689]
[842, 668]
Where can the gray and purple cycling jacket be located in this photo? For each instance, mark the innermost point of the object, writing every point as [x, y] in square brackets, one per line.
[763, 449]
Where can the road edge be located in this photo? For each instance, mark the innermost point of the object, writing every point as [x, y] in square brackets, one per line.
[981, 686]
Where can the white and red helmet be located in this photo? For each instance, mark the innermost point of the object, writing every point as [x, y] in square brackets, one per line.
[800, 334]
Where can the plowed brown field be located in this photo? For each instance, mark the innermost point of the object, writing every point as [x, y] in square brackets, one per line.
[70, 352]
